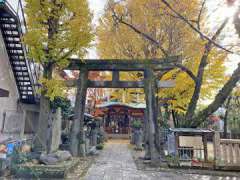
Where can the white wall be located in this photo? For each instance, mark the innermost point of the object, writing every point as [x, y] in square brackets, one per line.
[7, 82]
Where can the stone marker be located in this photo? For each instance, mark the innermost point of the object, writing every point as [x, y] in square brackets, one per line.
[87, 145]
[54, 131]
[94, 137]
[138, 139]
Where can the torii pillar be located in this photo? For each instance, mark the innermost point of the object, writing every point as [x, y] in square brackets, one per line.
[77, 135]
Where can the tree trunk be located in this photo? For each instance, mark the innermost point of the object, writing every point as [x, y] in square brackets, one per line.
[198, 83]
[40, 143]
[175, 121]
[219, 99]
[226, 117]
[77, 134]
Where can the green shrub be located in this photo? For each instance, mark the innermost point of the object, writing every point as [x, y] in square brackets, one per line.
[100, 146]
[136, 124]
[173, 160]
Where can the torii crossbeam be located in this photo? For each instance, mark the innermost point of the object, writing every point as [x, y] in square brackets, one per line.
[117, 66]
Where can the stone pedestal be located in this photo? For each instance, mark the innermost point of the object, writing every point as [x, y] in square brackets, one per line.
[82, 150]
[94, 137]
[138, 138]
[87, 145]
[102, 135]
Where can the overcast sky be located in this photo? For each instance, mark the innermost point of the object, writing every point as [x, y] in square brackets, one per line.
[97, 7]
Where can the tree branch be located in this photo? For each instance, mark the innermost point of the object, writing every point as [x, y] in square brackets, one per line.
[66, 54]
[219, 99]
[188, 71]
[201, 69]
[146, 36]
[194, 28]
[200, 14]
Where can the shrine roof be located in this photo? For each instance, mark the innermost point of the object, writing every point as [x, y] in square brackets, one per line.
[129, 105]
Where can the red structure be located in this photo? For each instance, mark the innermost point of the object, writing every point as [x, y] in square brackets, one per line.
[118, 116]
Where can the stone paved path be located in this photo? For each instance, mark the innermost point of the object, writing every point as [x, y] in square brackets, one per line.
[116, 163]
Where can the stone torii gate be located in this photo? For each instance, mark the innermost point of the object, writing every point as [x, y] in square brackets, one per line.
[150, 85]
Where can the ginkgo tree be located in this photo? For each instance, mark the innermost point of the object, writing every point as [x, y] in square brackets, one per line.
[57, 29]
[150, 30]
[175, 37]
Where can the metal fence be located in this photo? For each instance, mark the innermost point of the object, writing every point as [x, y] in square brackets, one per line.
[191, 154]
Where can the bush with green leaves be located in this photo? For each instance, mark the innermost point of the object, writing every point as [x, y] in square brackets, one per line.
[173, 160]
[137, 124]
[100, 146]
[64, 104]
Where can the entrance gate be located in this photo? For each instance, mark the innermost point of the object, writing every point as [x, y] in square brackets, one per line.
[149, 83]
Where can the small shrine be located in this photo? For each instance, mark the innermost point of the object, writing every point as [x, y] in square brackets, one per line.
[117, 117]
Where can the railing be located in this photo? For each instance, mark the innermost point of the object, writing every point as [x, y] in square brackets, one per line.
[227, 153]
[17, 7]
[230, 152]
[34, 69]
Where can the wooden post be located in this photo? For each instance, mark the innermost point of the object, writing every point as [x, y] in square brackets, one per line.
[226, 117]
[237, 153]
[216, 146]
[77, 134]
[150, 91]
[231, 151]
[204, 136]
[176, 135]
